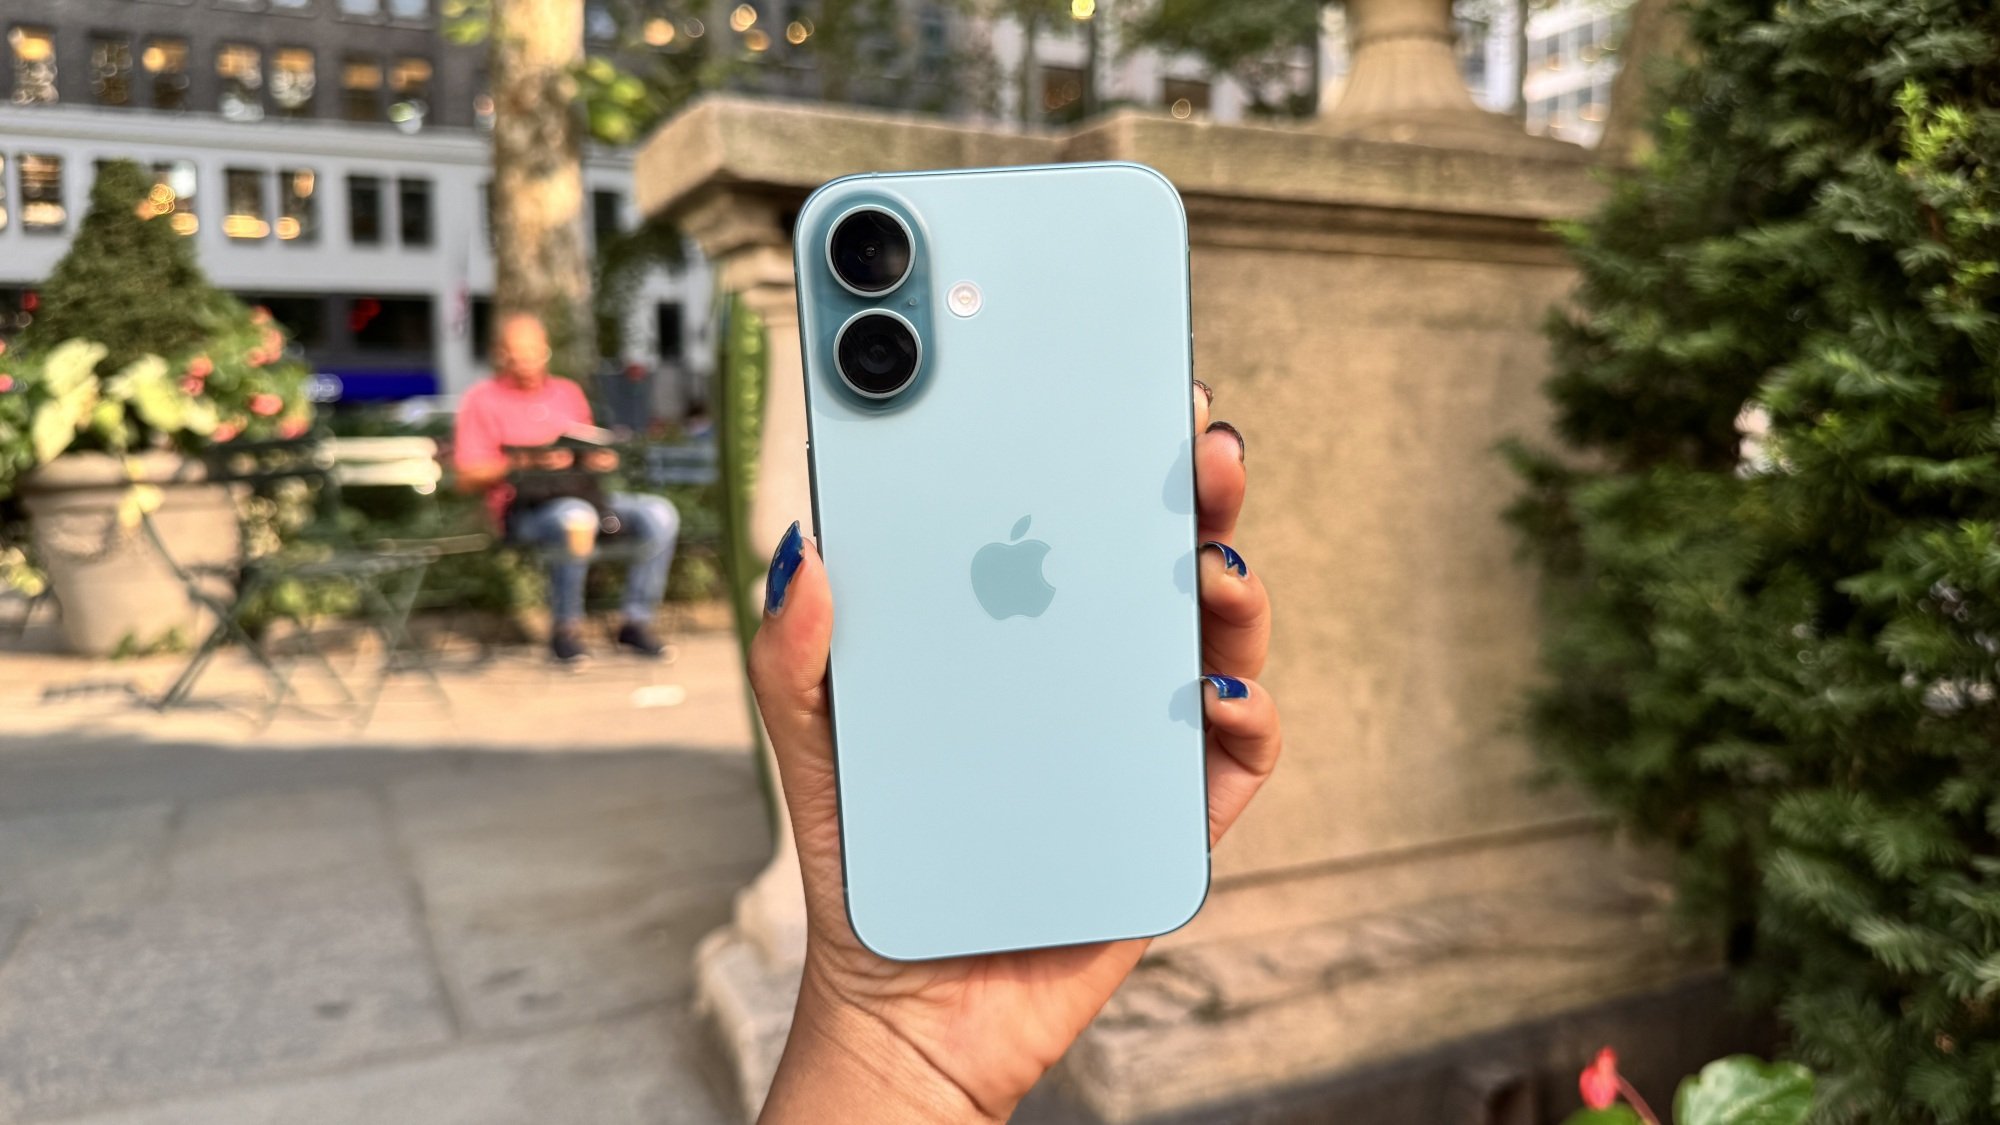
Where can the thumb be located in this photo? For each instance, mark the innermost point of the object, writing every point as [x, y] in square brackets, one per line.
[788, 674]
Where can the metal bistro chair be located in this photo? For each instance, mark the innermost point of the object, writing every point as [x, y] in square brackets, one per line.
[385, 577]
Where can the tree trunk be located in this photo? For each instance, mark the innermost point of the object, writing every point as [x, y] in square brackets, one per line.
[541, 260]
[1091, 102]
[1025, 73]
[1519, 109]
[1654, 32]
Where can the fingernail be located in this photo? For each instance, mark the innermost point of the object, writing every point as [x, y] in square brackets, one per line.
[1228, 687]
[1204, 389]
[784, 564]
[1231, 561]
[1232, 431]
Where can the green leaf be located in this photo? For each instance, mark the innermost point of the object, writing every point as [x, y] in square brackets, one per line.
[51, 432]
[1743, 1090]
[153, 393]
[1616, 1115]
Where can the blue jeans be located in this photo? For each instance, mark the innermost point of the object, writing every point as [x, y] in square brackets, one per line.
[650, 521]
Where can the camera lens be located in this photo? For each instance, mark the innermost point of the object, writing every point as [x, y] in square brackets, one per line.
[877, 353]
[869, 251]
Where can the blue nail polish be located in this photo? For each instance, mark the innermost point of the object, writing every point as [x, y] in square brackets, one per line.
[784, 564]
[1228, 687]
[1231, 561]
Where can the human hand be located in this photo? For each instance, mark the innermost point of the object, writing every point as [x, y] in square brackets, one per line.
[963, 1039]
[601, 460]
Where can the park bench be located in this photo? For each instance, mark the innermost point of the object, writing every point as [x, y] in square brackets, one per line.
[688, 463]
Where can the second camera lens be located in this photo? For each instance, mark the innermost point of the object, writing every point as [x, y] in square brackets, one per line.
[878, 353]
[869, 249]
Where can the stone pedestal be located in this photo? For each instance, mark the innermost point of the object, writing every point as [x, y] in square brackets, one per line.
[1368, 312]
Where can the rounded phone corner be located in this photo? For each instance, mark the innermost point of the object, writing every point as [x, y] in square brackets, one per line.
[1154, 177]
[874, 944]
[1182, 915]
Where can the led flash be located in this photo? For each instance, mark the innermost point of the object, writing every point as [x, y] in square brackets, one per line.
[964, 299]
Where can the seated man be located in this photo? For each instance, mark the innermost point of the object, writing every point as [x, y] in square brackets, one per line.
[523, 405]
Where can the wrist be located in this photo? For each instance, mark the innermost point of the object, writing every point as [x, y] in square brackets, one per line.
[844, 1063]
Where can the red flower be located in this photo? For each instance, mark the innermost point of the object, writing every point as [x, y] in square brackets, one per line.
[200, 367]
[191, 385]
[266, 404]
[291, 427]
[274, 342]
[1599, 1080]
[225, 430]
[6, 382]
[260, 315]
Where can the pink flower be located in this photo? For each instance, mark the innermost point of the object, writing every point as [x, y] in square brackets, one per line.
[6, 382]
[291, 427]
[260, 315]
[1599, 1080]
[225, 430]
[266, 404]
[191, 385]
[200, 367]
[274, 342]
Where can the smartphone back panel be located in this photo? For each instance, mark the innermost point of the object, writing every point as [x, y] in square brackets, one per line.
[1011, 544]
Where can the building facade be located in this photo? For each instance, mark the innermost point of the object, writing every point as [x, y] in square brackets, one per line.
[327, 159]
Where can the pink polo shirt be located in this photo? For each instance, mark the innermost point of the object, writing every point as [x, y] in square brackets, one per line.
[494, 414]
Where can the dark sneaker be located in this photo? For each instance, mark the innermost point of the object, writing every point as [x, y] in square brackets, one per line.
[566, 647]
[636, 638]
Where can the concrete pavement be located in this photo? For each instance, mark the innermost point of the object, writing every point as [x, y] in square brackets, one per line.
[485, 915]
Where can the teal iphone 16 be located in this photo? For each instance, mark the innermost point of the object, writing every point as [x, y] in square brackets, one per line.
[1000, 403]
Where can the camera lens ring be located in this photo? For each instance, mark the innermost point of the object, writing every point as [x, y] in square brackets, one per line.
[895, 226]
[884, 388]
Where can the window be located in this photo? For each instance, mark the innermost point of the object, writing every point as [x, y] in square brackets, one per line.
[482, 329]
[410, 81]
[361, 89]
[361, 9]
[34, 67]
[1184, 97]
[298, 205]
[390, 323]
[42, 192]
[292, 81]
[246, 219]
[1062, 92]
[413, 211]
[302, 318]
[410, 11]
[667, 322]
[111, 69]
[239, 68]
[173, 194]
[295, 7]
[604, 223]
[1596, 101]
[364, 210]
[166, 61]
[599, 23]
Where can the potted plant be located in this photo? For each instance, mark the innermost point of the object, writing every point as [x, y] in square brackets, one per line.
[133, 363]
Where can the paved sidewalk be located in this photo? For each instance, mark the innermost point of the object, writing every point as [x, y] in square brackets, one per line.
[482, 916]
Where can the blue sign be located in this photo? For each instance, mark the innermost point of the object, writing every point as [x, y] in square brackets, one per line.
[371, 386]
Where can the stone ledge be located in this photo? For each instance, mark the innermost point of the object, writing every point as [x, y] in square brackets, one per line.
[783, 151]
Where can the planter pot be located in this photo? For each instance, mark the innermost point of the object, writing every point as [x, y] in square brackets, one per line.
[117, 593]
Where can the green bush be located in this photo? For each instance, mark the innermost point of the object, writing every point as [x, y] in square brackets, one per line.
[1779, 652]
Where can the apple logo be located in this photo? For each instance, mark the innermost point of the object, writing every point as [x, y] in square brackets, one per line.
[1007, 577]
